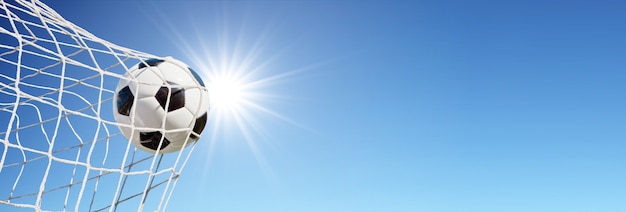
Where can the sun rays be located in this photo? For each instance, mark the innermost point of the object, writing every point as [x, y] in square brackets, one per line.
[238, 74]
[245, 74]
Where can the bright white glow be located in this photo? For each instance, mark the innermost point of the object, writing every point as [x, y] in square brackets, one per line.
[226, 93]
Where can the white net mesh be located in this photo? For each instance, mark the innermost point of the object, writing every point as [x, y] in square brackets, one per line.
[60, 148]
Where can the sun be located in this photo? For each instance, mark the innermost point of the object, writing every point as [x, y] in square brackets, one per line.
[226, 92]
[239, 81]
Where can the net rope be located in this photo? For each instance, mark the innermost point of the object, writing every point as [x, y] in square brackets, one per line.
[60, 148]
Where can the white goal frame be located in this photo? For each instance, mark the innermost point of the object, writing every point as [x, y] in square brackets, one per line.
[60, 149]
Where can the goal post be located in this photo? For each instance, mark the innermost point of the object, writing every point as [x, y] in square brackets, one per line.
[60, 148]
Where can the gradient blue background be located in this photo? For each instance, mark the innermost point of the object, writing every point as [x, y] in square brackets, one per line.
[402, 105]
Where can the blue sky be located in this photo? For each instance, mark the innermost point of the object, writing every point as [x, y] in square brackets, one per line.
[398, 105]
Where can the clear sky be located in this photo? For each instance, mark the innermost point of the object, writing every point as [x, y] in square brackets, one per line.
[395, 105]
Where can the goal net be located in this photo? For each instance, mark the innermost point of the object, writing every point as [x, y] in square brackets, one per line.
[60, 148]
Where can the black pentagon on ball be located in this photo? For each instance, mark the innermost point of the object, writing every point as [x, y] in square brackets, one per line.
[125, 100]
[150, 62]
[195, 75]
[151, 140]
[198, 126]
[176, 99]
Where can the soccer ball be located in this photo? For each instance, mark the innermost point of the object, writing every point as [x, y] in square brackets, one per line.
[162, 105]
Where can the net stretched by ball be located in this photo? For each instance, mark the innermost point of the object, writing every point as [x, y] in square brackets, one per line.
[60, 147]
